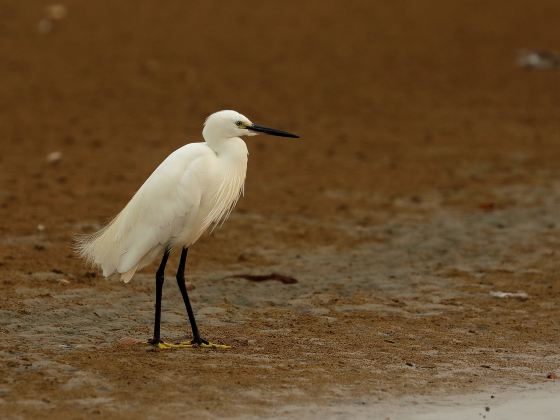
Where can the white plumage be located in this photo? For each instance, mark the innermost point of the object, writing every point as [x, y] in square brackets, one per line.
[194, 188]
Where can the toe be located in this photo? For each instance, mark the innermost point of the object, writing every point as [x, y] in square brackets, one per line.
[209, 345]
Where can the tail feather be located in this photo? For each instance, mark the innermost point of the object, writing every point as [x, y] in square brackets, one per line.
[116, 253]
[126, 277]
[98, 249]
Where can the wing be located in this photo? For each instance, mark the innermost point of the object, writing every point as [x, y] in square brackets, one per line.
[161, 207]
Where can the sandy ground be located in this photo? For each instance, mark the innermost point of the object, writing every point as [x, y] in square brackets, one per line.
[427, 179]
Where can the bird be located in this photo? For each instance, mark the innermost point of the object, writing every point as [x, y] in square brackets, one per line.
[191, 192]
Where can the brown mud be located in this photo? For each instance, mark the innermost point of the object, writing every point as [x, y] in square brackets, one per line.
[427, 177]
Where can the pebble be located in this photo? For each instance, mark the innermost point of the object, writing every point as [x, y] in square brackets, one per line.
[56, 11]
[54, 157]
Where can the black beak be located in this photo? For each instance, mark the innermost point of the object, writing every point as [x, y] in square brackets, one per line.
[271, 131]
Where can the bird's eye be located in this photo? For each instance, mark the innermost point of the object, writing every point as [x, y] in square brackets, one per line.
[239, 123]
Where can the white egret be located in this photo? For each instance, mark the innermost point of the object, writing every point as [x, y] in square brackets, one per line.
[194, 188]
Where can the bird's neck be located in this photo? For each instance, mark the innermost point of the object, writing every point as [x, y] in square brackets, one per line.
[215, 138]
[232, 147]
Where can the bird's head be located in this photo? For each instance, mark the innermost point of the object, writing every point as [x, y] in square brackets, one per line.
[230, 124]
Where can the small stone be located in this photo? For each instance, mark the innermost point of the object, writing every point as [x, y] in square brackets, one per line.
[538, 59]
[40, 227]
[56, 11]
[54, 157]
[517, 295]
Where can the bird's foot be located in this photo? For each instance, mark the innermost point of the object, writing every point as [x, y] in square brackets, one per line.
[160, 344]
[163, 345]
[199, 341]
[202, 343]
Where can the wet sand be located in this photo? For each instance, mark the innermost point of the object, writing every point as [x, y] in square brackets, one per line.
[519, 403]
[427, 179]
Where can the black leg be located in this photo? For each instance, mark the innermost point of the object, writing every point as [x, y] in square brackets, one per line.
[183, 288]
[159, 287]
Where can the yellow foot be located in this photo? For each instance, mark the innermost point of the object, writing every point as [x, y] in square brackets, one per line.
[208, 345]
[187, 344]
